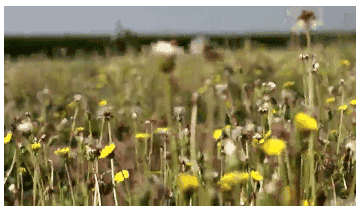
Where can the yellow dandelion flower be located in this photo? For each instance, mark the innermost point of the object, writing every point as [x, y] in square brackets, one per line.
[228, 127]
[72, 104]
[189, 164]
[187, 182]
[107, 151]
[162, 130]
[103, 103]
[228, 105]
[79, 129]
[268, 134]
[224, 187]
[274, 111]
[256, 175]
[345, 63]
[234, 178]
[143, 136]
[333, 131]
[62, 152]
[287, 195]
[353, 102]
[343, 107]
[35, 146]
[22, 170]
[273, 146]
[121, 176]
[307, 203]
[330, 100]
[219, 144]
[218, 78]
[305, 122]
[288, 84]
[217, 133]
[203, 89]
[8, 137]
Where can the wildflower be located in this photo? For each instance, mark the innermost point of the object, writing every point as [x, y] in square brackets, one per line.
[303, 57]
[35, 146]
[227, 128]
[79, 129]
[77, 97]
[351, 145]
[330, 100]
[274, 111]
[229, 147]
[8, 137]
[267, 135]
[306, 15]
[343, 107]
[228, 105]
[217, 134]
[287, 194]
[203, 89]
[72, 104]
[22, 170]
[103, 81]
[305, 122]
[345, 63]
[307, 203]
[143, 136]
[273, 146]
[333, 131]
[288, 84]
[162, 130]
[353, 102]
[107, 151]
[25, 127]
[229, 180]
[121, 176]
[256, 176]
[103, 103]
[218, 78]
[62, 152]
[187, 182]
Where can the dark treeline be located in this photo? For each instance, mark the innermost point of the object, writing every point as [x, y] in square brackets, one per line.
[25, 45]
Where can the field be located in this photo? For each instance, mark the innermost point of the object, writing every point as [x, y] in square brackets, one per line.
[260, 127]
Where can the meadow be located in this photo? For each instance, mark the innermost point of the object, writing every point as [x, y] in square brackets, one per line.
[260, 127]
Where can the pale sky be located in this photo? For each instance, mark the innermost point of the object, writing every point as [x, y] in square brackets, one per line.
[178, 19]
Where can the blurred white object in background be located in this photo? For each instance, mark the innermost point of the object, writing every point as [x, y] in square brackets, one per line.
[166, 48]
[197, 45]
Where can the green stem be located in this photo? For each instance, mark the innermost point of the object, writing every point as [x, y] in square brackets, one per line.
[128, 193]
[193, 154]
[102, 129]
[70, 183]
[311, 167]
[168, 99]
[340, 126]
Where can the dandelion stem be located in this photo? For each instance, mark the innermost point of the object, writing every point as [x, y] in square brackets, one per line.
[341, 116]
[12, 166]
[128, 193]
[73, 124]
[113, 181]
[70, 183]
[192, 136]
[97, 191]
[352, 188]
[21, 189]
[101, 132]
[311, 166]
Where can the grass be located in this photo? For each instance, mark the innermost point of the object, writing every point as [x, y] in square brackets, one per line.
[314, 167]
